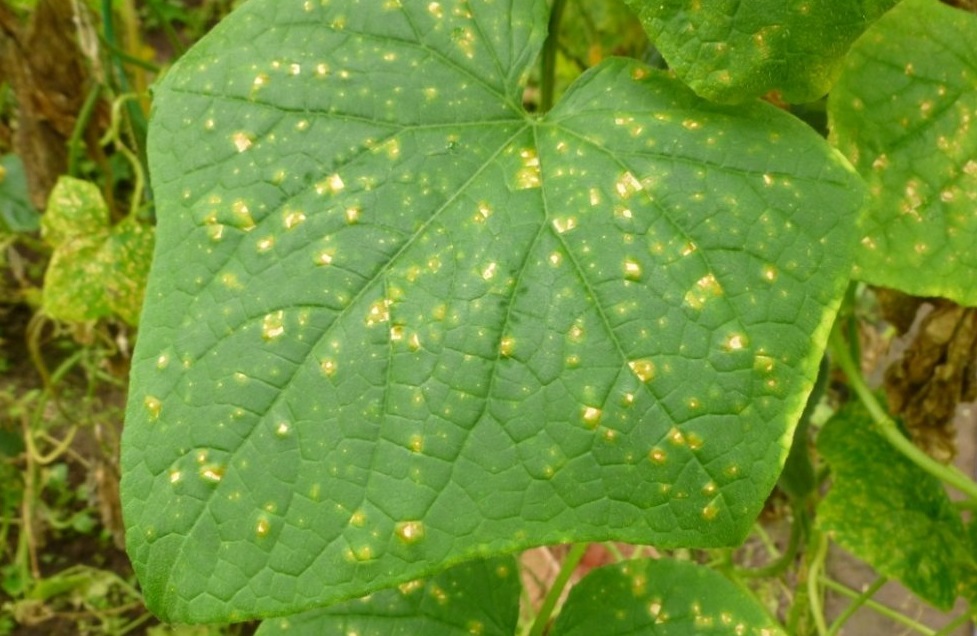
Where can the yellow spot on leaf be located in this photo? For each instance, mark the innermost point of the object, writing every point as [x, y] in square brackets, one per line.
[644, 369]
[409, 531]
[591, 416]
[273, 325]
[154, 406]
[242, 141]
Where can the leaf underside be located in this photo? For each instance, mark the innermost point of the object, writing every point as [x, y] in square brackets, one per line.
[395, 323]
[903, 112]
[729, 51]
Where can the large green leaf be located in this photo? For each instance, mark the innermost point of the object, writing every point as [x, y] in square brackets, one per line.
[728, 50]
[395, 322]
[479, 598]
[663, 597]
[889, 512]
[903, 112]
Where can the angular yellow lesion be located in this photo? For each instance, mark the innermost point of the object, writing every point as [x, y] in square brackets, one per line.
[632, 269]
[242, 215]
[265, 244]
[333, 184]
[293, 218]
[528, 176]
[410, 531]
[591, 416]
[242, 141]
[627, 185]
[153, 406]
[564, 224]
[507, 346]
[465, 40]
[379, 312]
[329, 367]
[705, 289]
[273, 325]
[643, 369]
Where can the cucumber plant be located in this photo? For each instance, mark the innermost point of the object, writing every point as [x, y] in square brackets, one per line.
[400, 326]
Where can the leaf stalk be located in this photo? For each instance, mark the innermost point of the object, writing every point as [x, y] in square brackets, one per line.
[548, 82]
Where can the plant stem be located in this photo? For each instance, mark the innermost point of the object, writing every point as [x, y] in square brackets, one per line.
[780, 562]
[888, 612]
[814, 592]
[548, 81]
[556, 590]
[953, 625]
[84, 115]
[887, 426]
[856, 604]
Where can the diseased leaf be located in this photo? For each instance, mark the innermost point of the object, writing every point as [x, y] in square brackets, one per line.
[73, 284]
[95, 271]
[75, 209]
[903, 113]
[479, 597]
[76, 224]
[396, 323]
[730, 51]
[889, 512]
[127, 254]
[663, 597]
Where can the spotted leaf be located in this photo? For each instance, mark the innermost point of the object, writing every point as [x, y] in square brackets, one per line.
[479, 598]
[661, 596]
[904, 113]
[95, 270]
[729, 51]
[395, 322]
[901, 520]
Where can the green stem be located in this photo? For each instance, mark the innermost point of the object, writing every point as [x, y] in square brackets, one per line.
[879, 608]
[814, 592]
[113, 135]
[84, 116]
[780, 563]
[953, 625]
[887, 426]
[548, 82]
[168, 30]
[856, 604]
[129, 59]
[556, 590]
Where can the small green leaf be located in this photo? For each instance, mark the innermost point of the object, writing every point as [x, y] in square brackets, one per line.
[384, 294]
[663, 597]
[17, 214]
[730, 51]
[479, 598]
[888, 511]
[903, 112]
